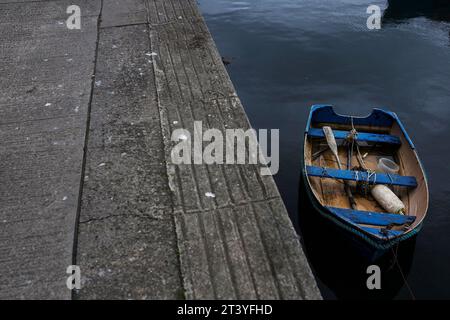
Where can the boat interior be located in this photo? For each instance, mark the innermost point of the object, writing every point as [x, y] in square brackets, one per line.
[379, 135]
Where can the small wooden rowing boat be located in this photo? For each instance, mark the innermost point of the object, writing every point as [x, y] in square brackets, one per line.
[361, 142]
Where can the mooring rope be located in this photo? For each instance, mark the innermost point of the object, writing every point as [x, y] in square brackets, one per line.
[413, 297]
[384, 232]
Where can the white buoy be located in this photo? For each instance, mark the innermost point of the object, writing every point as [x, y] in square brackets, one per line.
[388, 199]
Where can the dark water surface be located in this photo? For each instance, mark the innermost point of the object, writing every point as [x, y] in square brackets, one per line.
[289, 54]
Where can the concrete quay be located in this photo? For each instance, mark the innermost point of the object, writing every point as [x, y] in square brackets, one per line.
[86, 118]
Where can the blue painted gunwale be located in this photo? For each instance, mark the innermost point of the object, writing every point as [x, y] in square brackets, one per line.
[371, 218]
[361, 136]
[378, 178]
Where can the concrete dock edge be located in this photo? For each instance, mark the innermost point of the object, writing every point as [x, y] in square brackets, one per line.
[144, 227]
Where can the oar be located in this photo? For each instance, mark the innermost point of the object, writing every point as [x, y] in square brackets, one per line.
[333, 147]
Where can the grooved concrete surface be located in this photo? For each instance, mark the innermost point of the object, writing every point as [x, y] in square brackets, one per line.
[112, 202]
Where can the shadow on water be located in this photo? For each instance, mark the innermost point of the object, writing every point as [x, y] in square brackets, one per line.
[339, 266]
[398, 10]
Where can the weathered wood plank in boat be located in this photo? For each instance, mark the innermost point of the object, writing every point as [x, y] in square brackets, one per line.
[361, 136]
[378, 178]
[371, 218]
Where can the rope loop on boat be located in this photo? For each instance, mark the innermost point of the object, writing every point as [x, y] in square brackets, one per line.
[390, 178]
[325, 172]
[370, 174]
[363, 183]
[352, 135]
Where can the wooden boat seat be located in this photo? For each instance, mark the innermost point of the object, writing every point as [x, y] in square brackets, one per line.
[361, 136]
[372, 218]
[376, 178]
